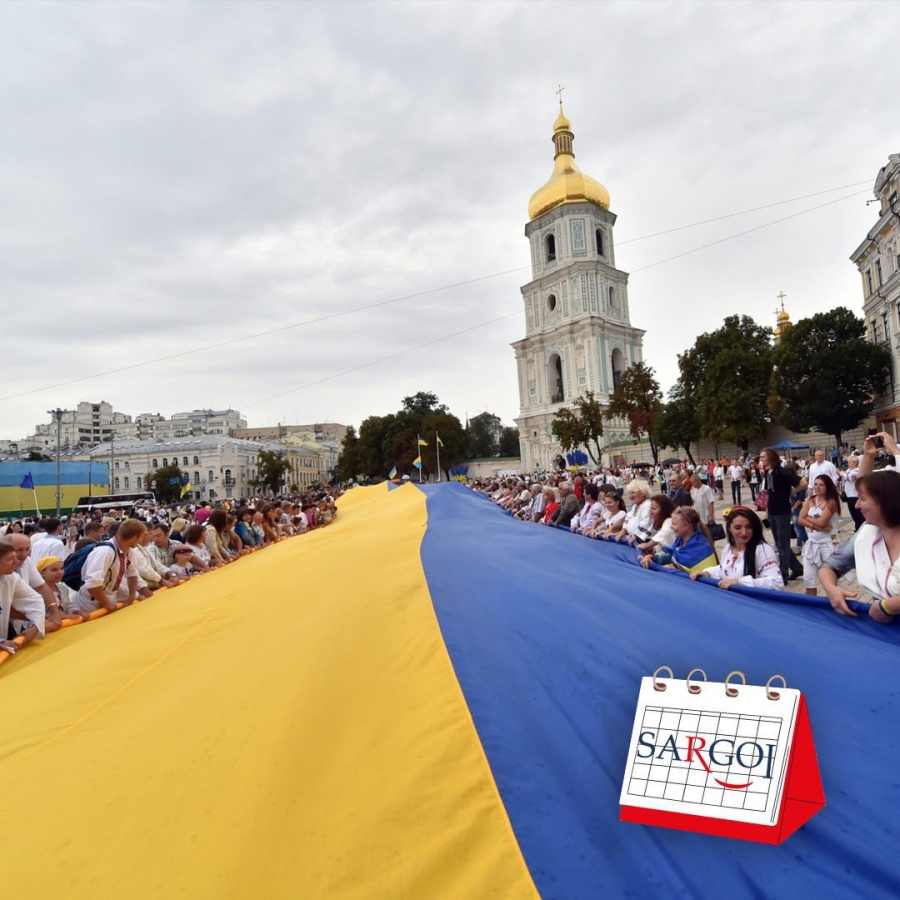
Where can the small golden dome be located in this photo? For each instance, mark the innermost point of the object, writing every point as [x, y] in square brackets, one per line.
[783, 317]
[567, 184]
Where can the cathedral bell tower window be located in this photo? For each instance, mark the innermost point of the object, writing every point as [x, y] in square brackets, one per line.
[550, 244]
[555, 379]
[599, 235]
[551, 302]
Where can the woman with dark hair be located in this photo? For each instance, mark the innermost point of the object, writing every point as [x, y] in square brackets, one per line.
[216, 539]
[244, 527]
[613, 518]
[592, 510]
[748, 560]
[874, 550]
[661, 509]
[819, 517]
[780, 482]
[195, 538]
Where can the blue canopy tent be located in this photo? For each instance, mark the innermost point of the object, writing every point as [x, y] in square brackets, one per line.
[789, 445]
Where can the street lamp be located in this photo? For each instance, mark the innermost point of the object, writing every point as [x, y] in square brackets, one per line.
[58, 413]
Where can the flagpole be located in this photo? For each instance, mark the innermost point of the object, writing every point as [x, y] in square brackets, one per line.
[437, 447]
[419, 457]
[37, 509]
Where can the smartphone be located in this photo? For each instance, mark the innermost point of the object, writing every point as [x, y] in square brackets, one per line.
[879, 443]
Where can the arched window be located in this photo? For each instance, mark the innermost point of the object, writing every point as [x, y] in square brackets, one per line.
[117, 464]
[155, 464]
[599, 235]
[617, 358]
[165, 461]
[209, 475]
[228, 477]
[611, 294]
[138, 483]
[551, 302]
[127, 483]
[196, 461]
[555, 379]
[550, 244]
[184, 461]
[116, 483]
[196, 478]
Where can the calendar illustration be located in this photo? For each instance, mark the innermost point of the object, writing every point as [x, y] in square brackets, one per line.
[723, 758]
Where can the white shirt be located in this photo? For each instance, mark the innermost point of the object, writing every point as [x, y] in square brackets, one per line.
[768, 574]
[702, 497]
[101, 569]
[28, 572]
[735, 473]
[16, 594]
[822, 468]
[48, 545]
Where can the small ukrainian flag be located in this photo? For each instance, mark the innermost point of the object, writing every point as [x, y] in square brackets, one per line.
[393, 473]
[188, 487]
[417, 462]
[421, 442]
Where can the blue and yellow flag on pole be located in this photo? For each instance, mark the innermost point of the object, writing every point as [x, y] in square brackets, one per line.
[417, 462]
[421, 442]
[438, 437]
[186, 489]
[393, 473]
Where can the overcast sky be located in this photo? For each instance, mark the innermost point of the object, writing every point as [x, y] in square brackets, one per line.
[175, 175]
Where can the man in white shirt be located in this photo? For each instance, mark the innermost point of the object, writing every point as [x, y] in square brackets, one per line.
[822, 466]
[27, 570]
[736, 474]
[106, 567]
[15, 594]
[704, 498]
[49, 542]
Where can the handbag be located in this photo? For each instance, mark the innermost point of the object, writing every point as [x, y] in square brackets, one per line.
[762, 500]
[716, 531]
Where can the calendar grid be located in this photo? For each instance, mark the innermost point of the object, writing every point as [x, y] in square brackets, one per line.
[662, 776]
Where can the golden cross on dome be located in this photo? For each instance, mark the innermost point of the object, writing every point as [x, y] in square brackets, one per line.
[559, 94]
[781, 297]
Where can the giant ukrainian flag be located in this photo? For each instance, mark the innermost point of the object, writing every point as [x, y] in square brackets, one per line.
[424, 700]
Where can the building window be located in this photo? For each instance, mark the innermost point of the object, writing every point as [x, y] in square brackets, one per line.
[611, 295]
[184, 461]
[869, 279]
[117, 464]
[127, 483]
[550, 244]
[209, 475]
[878, 272]
[555, 379]
[116, 483]
[155, 464]
[228, 477]
[599, 234]
[196, 461]
[196, 478]
[139, 483]
[551, 302]
[165, 461]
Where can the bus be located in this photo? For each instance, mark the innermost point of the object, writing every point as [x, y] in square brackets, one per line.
[105, 502]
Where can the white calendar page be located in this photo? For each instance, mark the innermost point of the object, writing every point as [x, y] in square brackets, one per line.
[709, 754]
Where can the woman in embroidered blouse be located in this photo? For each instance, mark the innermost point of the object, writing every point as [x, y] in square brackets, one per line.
[874, 550]
[591, 511]
[693, 550]
[638, 526]
[613, 519]
[818, 517]
[747, 560]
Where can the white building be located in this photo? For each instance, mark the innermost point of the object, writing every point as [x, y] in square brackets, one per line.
[878, 261]
[578, 335]
[86, 425]
[219, 467]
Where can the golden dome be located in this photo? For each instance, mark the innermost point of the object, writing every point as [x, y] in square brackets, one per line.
[567, 184]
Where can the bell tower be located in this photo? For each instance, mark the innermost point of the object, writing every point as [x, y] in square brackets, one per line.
[578, 334]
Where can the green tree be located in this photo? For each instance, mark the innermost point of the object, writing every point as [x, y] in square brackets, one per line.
[509, 441]
[580, 426]
[422, 404]
[272, 469]
[484, 435]
[167, 483]
[726, 374]
[453, 438]
[348, 466]
[677, 425]
[372, 434]
[827, 374]
[637, 398]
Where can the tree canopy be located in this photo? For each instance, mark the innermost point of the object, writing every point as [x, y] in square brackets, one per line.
[167, 483]
[827, 374]
[725, 376]
[271, 469]
[638, 399]
[485, 430]
[581, 426]
[677, 424]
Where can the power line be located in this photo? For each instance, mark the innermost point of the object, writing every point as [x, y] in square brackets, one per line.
[435, 290]
[731, 237]
[744, 212]
[374, 362]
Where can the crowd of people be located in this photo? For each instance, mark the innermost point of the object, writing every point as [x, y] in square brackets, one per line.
[668, 514]
[70, 569]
